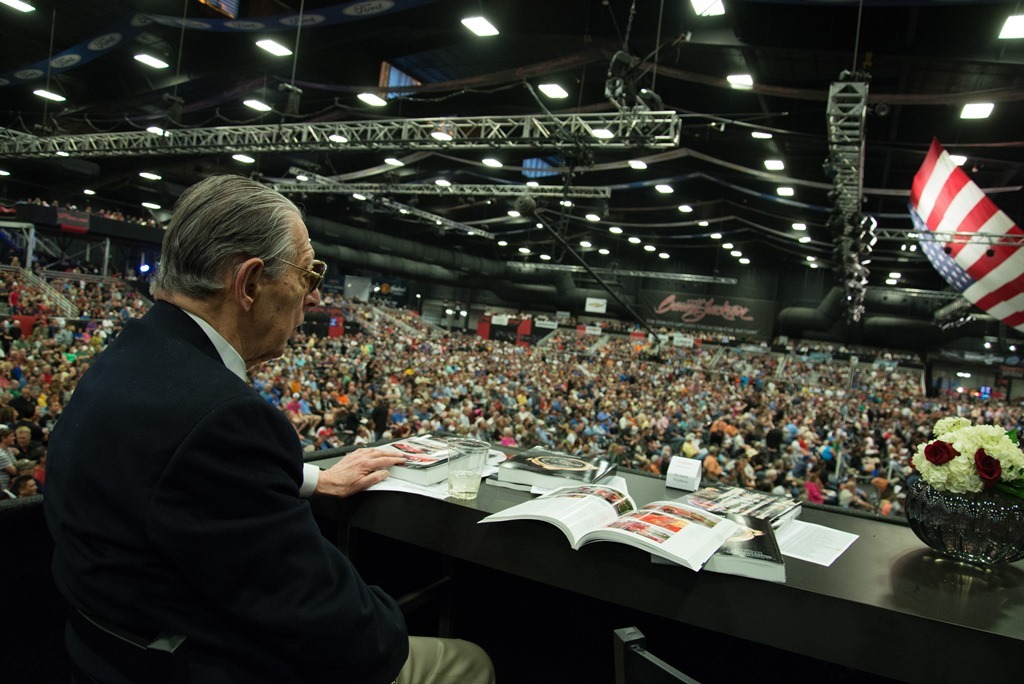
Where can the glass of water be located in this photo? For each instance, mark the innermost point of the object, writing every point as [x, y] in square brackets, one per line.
[466, 460]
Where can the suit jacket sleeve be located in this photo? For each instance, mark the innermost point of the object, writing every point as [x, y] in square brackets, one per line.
[228, 516]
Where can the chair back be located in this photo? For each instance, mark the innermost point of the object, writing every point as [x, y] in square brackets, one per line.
[634, 664]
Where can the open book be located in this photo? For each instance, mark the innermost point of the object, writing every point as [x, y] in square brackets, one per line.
[587, 513]
[722, 499]
[426, 459]
[751, 552]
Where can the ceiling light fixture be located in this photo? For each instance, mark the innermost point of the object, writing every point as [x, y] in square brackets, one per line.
[244, 158]
[372, 100]
[156, 130]
[715, 236]
[805, 239]
[890, 281]
[637, 164]
[977, 110]
[493, 163]
[895, 275]
[785, 191]
[958, 159]
[1013, 28]
[545, 257]
[87, 191]
[727, 245]
[799, 226]
[502, 243]
[649, 248]
[663, 255]
[634, 240]
[740, 81]
[593, 217]
[443, 183]
[736, 253]
[703, 224]
[553, 90]
[62, 153]
[615, 229]
[150, 205]
[761, 135]
[4, 172]
[302, 178]
[685, 208]
[603, 252]
[524, 250]
[774, 164]
[513, 213]
[335, 138]
[532, 184]
[273, 47]
[46, 94]
[602, 133]
[585, 244]
[150, 175]
[744, 261]
[664, 189]
[441, 136]
[391, 161]
[810, 258]
[708, 8]
[18, 5]
[257, 105]
[480, 26]
[565, 203]
[151, 61]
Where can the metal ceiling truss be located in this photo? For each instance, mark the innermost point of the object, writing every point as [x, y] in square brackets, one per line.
[846, 112]
[567, 268]
[625, 130]
[453, 190]
[440, 221]
[951, 238]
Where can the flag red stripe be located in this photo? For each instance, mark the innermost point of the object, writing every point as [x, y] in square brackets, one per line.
[1013, 320]
[925, 172]
[950, 189]
[1006, 291]
[975, 219]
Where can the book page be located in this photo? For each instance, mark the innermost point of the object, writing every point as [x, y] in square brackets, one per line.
[681, 533]
[574, 510]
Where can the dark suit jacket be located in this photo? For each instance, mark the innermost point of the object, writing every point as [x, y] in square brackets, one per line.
[172, 494]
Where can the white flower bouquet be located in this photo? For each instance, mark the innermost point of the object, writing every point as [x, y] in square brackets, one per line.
[969, 458]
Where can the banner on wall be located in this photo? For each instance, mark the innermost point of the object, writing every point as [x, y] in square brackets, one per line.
[708, 314]
[596, 305]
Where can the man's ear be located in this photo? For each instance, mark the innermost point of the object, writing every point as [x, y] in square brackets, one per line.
[246, 283]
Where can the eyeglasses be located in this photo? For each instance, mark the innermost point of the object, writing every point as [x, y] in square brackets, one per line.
[314, 274]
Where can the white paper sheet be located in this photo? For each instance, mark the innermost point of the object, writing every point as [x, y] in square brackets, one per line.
[813, 543]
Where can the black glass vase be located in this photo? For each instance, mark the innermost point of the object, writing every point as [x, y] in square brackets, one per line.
[985, 527]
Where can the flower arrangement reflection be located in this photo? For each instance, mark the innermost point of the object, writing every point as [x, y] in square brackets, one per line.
[967, 458]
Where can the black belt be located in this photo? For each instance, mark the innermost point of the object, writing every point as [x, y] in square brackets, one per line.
[161, 659]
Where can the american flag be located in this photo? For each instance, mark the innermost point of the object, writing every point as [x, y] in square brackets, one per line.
[945, 201]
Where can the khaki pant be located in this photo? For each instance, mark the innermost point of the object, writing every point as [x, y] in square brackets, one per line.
[445, 661]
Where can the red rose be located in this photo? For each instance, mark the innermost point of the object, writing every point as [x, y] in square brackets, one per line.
[989, 469]
[939, 452]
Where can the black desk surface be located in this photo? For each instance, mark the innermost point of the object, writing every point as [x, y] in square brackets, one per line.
[888, 605]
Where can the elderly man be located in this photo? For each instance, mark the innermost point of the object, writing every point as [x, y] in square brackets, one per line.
[174, 490]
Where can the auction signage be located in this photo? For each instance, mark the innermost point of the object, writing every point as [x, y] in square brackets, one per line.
[709, 314]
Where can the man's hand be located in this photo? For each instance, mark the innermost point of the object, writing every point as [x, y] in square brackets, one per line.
[355, 472]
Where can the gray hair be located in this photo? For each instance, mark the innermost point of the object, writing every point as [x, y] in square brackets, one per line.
[220, 220]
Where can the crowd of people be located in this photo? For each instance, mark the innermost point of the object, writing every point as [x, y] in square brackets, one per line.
[784, 418]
